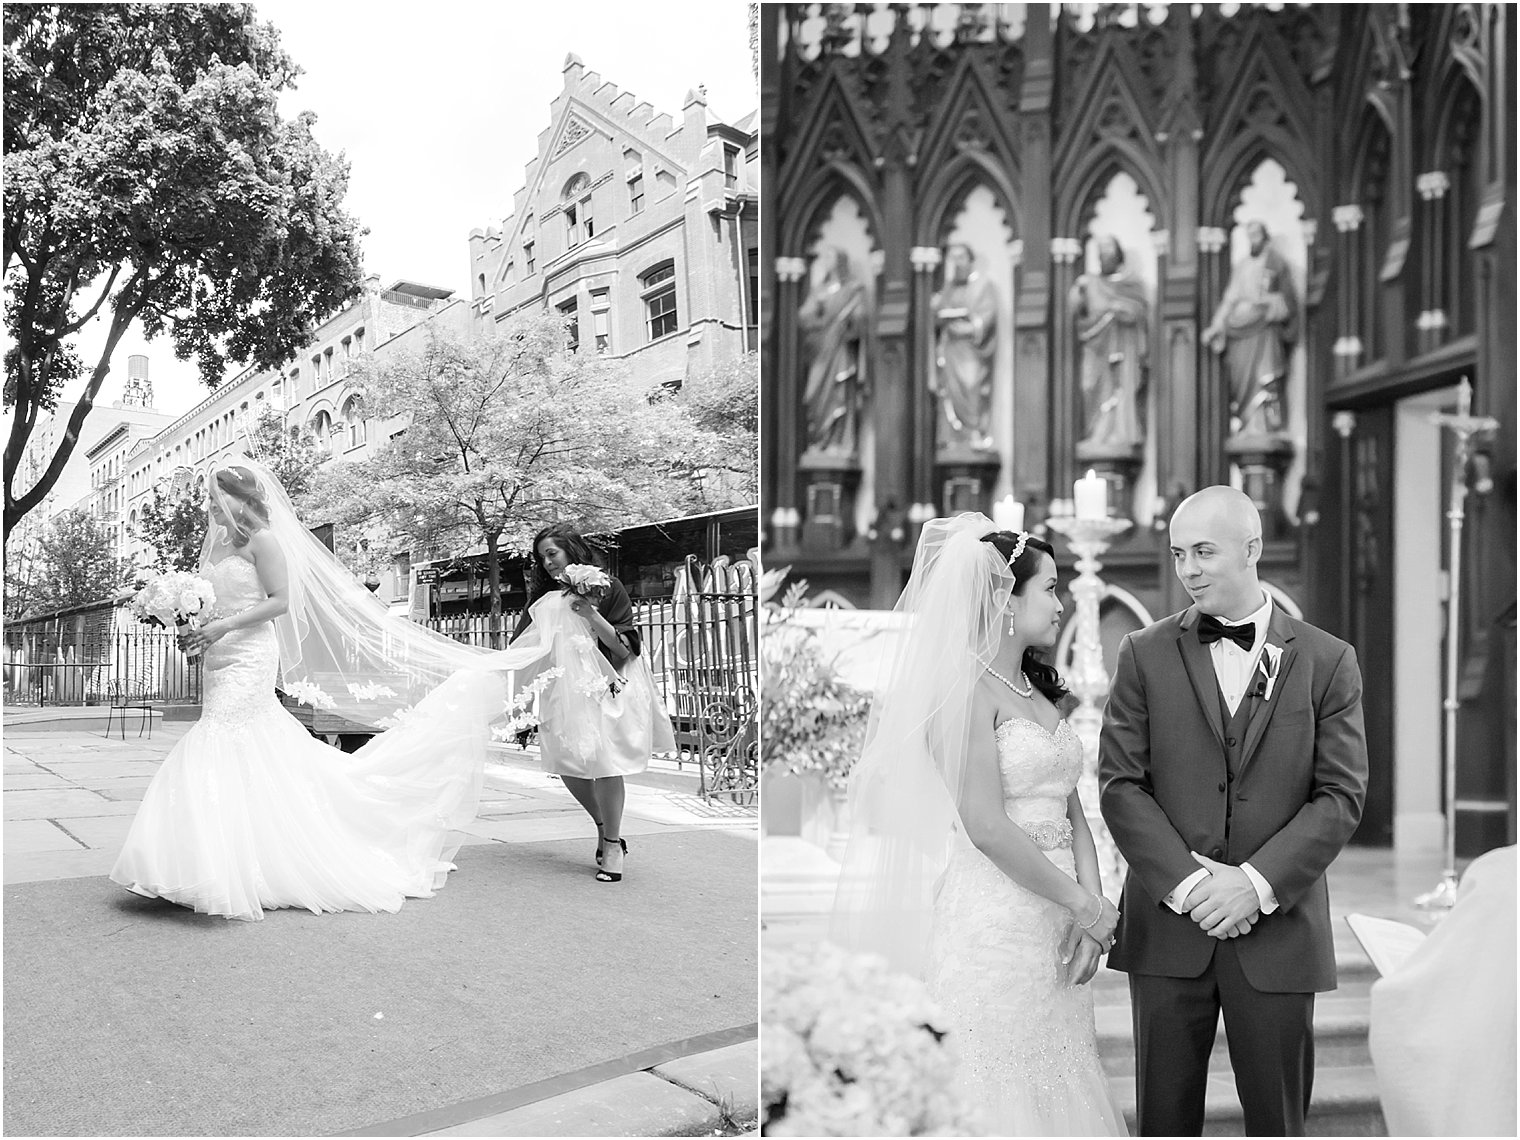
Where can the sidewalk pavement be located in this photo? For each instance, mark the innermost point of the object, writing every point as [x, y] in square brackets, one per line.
[523, 999]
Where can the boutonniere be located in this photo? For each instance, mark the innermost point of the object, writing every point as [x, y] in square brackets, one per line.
[1266, 670]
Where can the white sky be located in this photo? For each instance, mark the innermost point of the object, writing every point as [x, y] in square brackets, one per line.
[438, 109]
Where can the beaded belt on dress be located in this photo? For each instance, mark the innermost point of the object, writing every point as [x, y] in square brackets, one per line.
[1048, 834]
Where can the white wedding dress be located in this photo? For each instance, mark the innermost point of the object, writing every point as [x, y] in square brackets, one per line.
[250, 813]
[1028, 1049]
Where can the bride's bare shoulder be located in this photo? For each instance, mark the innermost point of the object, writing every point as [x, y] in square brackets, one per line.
[263, 542]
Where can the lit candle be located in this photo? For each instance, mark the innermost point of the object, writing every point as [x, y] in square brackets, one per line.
[1091, 494]
[1008, 514]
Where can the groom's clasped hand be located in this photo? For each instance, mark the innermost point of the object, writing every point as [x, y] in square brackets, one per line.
[1224, 905]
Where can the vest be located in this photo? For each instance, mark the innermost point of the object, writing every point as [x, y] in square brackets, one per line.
[1234, 750]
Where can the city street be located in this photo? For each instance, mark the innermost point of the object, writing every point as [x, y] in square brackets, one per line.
[525, 998]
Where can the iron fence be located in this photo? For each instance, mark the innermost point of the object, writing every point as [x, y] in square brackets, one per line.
[43, 669]
[701, 648]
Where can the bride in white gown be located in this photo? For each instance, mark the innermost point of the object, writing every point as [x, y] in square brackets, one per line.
[970, 863]
[249, 812]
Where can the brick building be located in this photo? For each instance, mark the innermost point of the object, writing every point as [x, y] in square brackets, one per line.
[641, 230]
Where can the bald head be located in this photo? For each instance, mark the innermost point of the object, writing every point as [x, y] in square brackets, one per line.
[1222, 507]
[1216, 543]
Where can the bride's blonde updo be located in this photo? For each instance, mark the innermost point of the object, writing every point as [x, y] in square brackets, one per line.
[243, 500]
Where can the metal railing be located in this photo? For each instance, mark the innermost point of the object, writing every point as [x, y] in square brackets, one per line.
[147, 663]
[701, 648]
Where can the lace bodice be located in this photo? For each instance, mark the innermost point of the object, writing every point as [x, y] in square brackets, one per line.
[240, 668]
[236, 583]
[1040, 769]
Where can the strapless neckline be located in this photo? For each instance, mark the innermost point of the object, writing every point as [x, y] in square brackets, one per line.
[1063, 723]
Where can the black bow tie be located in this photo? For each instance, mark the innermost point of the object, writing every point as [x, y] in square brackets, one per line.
[1211, 629]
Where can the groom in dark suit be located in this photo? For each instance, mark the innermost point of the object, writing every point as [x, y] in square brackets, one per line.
[1232, 769]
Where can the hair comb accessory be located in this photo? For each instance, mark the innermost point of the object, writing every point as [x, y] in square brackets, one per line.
[1018, 548]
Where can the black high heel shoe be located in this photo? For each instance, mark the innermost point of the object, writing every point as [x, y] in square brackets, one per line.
[621, 842]
[613, 876]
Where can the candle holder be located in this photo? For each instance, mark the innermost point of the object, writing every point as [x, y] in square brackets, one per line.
[1089, 539]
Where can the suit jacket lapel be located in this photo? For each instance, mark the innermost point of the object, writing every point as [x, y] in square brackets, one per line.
[1200, 671]
[1279, 633]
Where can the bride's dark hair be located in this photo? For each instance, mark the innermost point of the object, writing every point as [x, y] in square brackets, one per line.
[1040, 672]
[240, 486]
[568, 539]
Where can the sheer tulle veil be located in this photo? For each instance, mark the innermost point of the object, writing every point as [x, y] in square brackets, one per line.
[904, 790]
[340, 648]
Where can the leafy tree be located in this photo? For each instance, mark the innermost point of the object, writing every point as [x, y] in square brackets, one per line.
[78, 563]
[149, 175]
[291, 453]
[725, 403]
[25, 576]
[175, 526]
[509, 431]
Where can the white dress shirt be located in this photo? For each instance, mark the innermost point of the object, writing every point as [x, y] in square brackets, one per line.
[1234, 668]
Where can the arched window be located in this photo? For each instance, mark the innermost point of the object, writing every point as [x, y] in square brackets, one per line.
[353, 415]
[658, 291]
[579, 226]
[321, 427]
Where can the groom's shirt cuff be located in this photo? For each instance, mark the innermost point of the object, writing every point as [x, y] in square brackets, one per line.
[1183, 889]
[1264, 890]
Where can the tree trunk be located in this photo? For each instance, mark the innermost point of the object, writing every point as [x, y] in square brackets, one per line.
[493, 570]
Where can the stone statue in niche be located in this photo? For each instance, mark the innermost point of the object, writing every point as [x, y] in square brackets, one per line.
[834, 320]
[1112, 315]
[1255, 327]
[966, 330]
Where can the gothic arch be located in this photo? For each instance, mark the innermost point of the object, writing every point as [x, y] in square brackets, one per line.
[1240, 159]
[968, 126]
[950, 184]
[1095, 148]
[833, 179]
[1456, 82]
[1091, 178]
[833, 145]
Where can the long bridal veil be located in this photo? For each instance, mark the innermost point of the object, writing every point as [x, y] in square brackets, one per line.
[905, 788]
[342, 651]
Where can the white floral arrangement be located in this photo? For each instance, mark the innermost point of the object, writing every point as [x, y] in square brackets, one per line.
[309, 694]
[849, 1048]
[585, 580]
[175, 599]
[522, 709]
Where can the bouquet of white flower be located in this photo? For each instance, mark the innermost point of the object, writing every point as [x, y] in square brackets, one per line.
[848, 1048]
[587, 581]
[176, 599]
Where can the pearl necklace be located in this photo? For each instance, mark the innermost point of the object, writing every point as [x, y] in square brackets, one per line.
[1026, 691]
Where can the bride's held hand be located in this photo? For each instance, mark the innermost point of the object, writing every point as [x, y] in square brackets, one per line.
[199, 640]
[1101, 928]
[1080, 955]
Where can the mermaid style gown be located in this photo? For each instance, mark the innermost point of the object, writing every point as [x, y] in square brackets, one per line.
[249, 813]
[1027, 1044]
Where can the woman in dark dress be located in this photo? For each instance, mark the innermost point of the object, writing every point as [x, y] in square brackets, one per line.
[634, 723]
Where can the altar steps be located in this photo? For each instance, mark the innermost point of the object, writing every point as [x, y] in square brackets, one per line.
[1345, 1097]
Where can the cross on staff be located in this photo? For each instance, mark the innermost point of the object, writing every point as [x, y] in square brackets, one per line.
[1464, 425]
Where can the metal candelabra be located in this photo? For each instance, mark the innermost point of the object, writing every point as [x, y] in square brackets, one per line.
[1090, 538]
[1464, 426]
